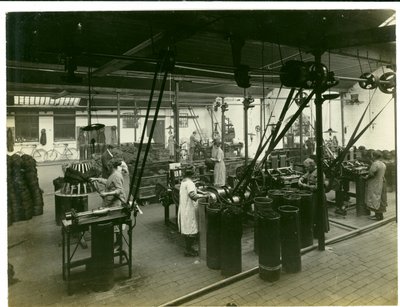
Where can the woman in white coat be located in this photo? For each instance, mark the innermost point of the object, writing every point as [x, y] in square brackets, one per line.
[375, 192]
[219, 166]
[187, 212]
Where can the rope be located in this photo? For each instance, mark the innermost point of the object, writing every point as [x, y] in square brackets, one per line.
[359, 62]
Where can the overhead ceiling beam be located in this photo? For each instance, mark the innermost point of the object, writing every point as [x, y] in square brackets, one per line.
[366, 37]
[118, 64]
[308, 42]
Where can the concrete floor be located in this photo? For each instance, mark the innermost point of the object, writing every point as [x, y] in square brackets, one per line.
[160, 271]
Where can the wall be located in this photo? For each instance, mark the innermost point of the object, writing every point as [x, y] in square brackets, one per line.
[380, 136]
[331, 116]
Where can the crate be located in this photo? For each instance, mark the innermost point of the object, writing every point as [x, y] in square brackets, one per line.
[146, 193]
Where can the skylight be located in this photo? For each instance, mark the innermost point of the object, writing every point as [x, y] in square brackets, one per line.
[390, 21]
[46, 101]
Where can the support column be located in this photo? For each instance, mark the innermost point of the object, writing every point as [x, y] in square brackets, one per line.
[212, 122]
[175, 109]
[118, 120]
[136, 122]
[246, 128]
[319, 152]
[89, 103]
[301, 136]
[223, 124]
[262, 101]
[342, 117]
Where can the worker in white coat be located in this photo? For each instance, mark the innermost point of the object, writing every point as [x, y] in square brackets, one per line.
[219, 166]
[375, 192]
[187, 212]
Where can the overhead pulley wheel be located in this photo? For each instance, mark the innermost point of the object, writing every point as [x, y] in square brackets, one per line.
[240, 172]
[369, 82]
[301, 98]
[318, 73]
[387, 83]
[294, 74]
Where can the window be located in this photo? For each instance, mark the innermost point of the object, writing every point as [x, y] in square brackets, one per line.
[64, 126]
[130, 120]
[183, 120]
[27, 127]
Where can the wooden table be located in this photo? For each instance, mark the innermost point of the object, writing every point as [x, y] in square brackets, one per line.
[118, 218]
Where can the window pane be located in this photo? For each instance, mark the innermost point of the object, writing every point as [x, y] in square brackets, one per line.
[130, 121]
[27, 128]
[64, 127]
[183, 120]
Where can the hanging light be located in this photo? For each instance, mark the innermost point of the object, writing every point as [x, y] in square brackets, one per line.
[97, 126]
[93, 127]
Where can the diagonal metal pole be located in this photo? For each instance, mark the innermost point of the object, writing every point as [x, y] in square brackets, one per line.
[151, 133]
[340, 158]
[134, 173]
[246, 179]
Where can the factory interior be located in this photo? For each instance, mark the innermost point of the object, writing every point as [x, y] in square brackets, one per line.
[202, 157]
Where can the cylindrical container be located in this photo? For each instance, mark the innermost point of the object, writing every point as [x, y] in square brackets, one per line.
[306, 218]
[66, 202]
[231, 245]
[101, 266]
[277, 198]
[269, 246]
[261, 204]
[290, 239]
[213, 239]
[202, 228]
[294, 199]
[289, 190]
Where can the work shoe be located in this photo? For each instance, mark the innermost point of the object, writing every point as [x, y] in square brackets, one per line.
[341, 211]
[376, 218]
[117, 248]
[191, 253]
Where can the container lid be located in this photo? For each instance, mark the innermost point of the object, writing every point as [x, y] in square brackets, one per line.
[294, 196]
[288, 209]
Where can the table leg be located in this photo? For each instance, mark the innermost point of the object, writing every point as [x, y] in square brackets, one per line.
[63, 252]
[68, 261]
[360, 197]
[119, 240]
[130, 248]
[166, 215]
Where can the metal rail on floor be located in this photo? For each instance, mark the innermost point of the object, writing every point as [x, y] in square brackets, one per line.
[243, 275]
[342, 225]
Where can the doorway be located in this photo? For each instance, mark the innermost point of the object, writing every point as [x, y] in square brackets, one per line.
[159, 131]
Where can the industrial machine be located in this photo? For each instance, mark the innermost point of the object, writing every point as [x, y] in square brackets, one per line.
[283, 176]
[77, 223]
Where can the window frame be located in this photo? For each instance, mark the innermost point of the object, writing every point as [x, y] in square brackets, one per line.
[130, 121]
[31, 121]
[71, 131]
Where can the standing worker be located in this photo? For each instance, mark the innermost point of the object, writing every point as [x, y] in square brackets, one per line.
[375, 192]
[187, 212]
[219, 167]
[105, 159]
[113, 193]
[192, 145]
[171, 145]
